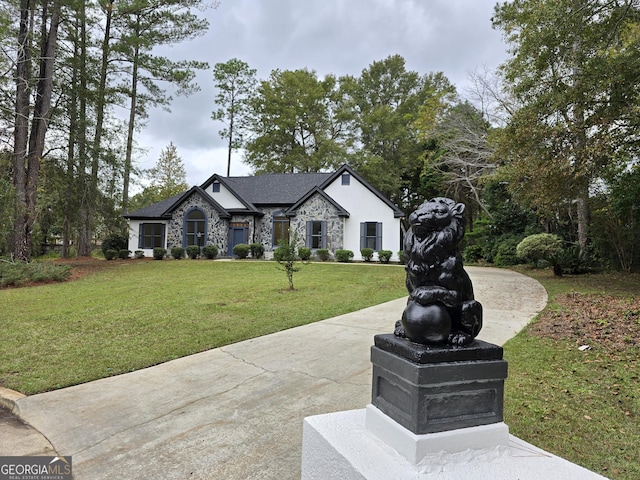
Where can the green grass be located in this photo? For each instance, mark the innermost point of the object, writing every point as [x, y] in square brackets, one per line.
[581, 405]
[135, 314]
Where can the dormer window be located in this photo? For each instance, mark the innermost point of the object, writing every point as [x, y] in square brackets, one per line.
[215, 187]
[346, 179]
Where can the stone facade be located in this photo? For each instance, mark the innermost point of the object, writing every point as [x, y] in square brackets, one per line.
[217, 229]
[260, 230]
[317, 208]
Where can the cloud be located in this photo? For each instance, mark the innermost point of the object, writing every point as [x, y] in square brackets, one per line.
[328, 36]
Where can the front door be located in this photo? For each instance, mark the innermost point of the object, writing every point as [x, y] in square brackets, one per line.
[238, 234]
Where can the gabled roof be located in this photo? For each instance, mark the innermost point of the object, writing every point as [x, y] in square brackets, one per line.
[288, 190]
[157, 210]
[316, 190]
[232, 187]
[397, 213]
[164, 208]
[273, 188]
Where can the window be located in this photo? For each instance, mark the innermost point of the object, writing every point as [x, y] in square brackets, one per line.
[215, 187]
[151, 235]
[316, 234]
[280, 230]
[195, 229]
[371, 235]
[346, 179]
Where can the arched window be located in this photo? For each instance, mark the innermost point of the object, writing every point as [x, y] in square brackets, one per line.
[195, 228]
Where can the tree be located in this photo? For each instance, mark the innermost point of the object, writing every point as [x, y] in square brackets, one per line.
[293, 124]
[144, 25]
[166, 179]
[574, 71]
[235, 82]
[287, 257]
[463, 155]
[386, 101]
[29, 141]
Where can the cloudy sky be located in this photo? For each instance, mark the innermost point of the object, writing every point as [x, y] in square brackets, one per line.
[328, 36]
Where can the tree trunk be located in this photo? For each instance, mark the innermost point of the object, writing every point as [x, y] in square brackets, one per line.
[85, 219]
[21, 241]
[132, 119]
[582, 204]
[26, 175]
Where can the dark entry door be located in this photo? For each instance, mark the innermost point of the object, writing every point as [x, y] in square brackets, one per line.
[237, 235]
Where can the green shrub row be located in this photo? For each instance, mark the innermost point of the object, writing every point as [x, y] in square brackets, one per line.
[18, 273]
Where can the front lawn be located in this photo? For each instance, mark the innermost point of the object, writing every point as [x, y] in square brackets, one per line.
[574, 373]
[127, 315]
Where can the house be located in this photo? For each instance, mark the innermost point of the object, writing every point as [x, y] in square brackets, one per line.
[338, 210]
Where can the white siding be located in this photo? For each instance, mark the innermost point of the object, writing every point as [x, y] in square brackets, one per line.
[364, 206]
[134, 234]
[224, 197]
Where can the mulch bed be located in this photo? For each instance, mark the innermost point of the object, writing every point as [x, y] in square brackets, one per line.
[610, 322]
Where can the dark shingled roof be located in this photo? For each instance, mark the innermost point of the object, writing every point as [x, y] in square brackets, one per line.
[154, 211]
[276, 188]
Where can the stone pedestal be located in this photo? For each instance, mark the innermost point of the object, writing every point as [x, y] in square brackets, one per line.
[430, 389]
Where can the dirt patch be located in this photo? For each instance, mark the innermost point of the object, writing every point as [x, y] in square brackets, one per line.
[609, 321]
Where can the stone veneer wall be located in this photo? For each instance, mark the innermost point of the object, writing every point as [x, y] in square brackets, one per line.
[316, 209]
[263, 233]
[217, 228]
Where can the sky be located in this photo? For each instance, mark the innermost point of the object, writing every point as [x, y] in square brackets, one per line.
[337, 37]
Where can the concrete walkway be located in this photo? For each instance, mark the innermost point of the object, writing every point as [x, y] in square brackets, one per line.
[236, 412]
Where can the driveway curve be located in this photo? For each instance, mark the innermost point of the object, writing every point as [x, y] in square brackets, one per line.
[236, 412]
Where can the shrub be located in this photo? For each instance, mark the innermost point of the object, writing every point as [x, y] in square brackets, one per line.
[241, 250]
[210, 251]
[19, 273]
[344, 255]
[472, 254]
[193, 251]
[506, 255]
[493, 244]
[111, 254]
[177, 253]
[114, 242]
[257, 250]
[401, 256]
[384, 255]
[367, 254]
[304, 253]
[139, 254]
[323, 254]
[542, 246]
[159, 253]
[124, 253]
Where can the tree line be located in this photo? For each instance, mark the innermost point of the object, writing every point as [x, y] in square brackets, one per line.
[548, 143]
[73, 69]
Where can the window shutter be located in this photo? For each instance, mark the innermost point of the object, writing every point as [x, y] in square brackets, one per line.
[141, 235]
[363, 235]
[323, 233]
[163, 239]
[307, 241]
[379, 236]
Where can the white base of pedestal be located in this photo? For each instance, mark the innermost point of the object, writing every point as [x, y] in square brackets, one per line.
[351, 445]
[414, 448]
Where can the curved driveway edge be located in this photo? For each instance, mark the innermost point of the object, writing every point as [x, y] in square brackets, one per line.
[236, 412]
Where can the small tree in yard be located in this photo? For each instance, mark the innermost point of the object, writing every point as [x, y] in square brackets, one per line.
[287, 257]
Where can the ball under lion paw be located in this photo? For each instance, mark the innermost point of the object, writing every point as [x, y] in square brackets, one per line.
[426, 324]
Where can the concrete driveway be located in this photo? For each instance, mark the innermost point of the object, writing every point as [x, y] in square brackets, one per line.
[236, 412]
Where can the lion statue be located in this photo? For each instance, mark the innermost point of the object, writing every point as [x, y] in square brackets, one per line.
[441, 308]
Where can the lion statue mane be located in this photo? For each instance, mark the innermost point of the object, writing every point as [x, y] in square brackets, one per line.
[441, 308]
